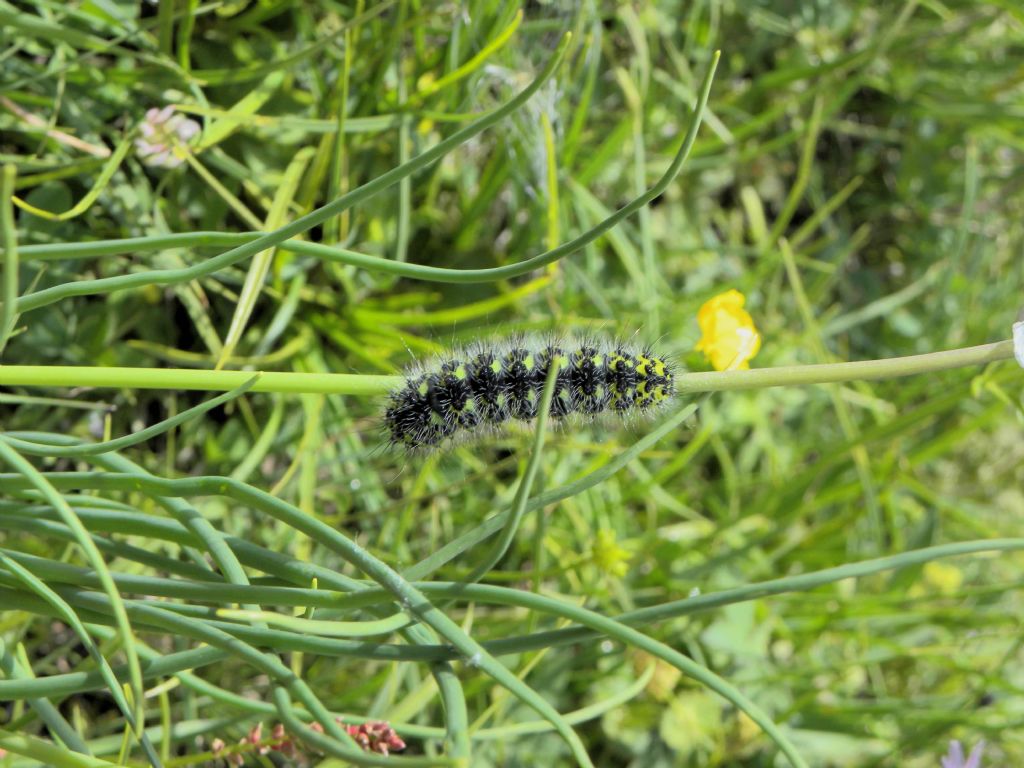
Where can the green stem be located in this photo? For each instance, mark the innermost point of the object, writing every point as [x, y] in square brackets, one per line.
[174, 663]
[248, 244]
[504, 540]
[830, 373]
[186, 379]
[370, 385]
[303, 223]
[69, 617]
[9, 259]
[45, 709]
[332, 628]
[141, 436]
[48, 753]
[35, 479]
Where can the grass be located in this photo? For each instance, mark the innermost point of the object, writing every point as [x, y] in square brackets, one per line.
[818, 562]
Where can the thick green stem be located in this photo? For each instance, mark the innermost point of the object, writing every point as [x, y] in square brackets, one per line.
[182, 378]
[830, 373]
[351, 384]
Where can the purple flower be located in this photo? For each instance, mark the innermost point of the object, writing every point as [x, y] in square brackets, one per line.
[955, 758]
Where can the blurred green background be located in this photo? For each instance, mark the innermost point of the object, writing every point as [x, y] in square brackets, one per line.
[884, 142]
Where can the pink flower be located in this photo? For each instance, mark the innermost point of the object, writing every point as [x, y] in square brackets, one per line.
[376, 736]
[163, 136]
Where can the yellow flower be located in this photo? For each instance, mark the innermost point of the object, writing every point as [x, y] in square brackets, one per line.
[728, 335]
[944, 578]
[608, 555]
[663, 681]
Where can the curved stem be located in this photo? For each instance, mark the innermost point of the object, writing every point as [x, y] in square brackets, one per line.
[249, 243]
[70, 683]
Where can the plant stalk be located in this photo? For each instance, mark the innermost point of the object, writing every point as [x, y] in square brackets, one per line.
[371, 385]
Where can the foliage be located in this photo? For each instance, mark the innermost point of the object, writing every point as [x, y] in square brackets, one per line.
[836, 564]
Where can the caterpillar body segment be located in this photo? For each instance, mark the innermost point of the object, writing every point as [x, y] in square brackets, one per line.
[488, 387]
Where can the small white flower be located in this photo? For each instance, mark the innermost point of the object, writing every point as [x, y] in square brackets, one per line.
[162, 135]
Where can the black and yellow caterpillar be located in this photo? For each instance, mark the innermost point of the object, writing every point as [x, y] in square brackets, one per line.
[487, 387]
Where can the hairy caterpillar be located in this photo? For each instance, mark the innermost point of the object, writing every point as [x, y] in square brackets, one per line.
[487, 387]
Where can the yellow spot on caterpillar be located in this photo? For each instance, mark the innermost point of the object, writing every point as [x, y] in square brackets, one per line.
[620, 362]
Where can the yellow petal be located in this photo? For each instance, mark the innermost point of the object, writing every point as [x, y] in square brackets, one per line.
[729, 337]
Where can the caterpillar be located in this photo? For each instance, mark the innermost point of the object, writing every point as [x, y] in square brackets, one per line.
[487, 387]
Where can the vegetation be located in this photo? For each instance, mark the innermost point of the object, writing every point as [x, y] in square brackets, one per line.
[209, 552]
